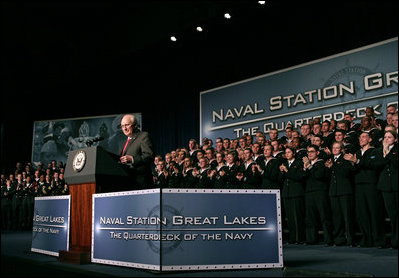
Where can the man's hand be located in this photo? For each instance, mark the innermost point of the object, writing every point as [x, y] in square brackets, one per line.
[126, 159]
[350, 157]
[306, 162]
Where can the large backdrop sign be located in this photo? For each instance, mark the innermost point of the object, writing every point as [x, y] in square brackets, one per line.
[52, 140]
[325, 88]
[188, 229]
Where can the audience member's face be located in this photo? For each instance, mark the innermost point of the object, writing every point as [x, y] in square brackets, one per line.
[389, 139]
[348, 118]
[339, 136]
[219, 158]
[316, 141]
[305, 130]
[273, 134]
[289, 154]
[366, 122]
[391, 110]
[230, 159]
[268, 151]
[247, 155]
[395, 121]
[312, 154]
[364, 139]
[336, 149]
[325, 127]
[341, 126]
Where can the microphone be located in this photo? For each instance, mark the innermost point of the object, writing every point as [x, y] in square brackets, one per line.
[90, 142]
[97, 139]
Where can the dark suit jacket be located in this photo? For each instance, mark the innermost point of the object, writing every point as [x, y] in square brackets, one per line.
[388, 178]
[316, 177]
[251, 180]
[188, 180]
[293, 180]
[340, 176]
[270, 174]
[367, 168]
[140, 147]
[220, 181]
[230, 176]
[204, 181]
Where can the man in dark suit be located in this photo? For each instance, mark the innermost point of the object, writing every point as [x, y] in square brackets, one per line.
[136, 153]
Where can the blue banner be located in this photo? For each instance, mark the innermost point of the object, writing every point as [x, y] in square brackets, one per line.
[51, 220]
[221, 229]
[126, 229]
[194, 230]
[325, 89]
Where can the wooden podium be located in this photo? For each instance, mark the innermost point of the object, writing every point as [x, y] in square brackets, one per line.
[88, 171]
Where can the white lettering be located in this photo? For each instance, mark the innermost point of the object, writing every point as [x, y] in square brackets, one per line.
[375, 83]
[334, 92]
[216, 115]
[343, 88]
[229, 114]
[299, 98]
[275, 103]
[392, 76]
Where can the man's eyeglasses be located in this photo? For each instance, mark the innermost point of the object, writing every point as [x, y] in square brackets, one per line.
[127, 125]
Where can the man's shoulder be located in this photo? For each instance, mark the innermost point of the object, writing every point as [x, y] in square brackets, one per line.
[141, 134]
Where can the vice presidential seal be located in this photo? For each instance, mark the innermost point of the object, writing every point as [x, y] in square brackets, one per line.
[79, 161]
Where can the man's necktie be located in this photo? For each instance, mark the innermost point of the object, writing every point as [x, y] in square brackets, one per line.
[124, 149]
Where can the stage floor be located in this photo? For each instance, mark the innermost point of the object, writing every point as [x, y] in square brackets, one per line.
[299, 261]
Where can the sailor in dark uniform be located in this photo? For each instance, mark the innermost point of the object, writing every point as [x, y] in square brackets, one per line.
[210, 154]
[292, 178]
[221, 169]
[248, 174]
[7, 192]
[188, 180]
[340, 172]
[388, 181]
[368, 200]
[205, 179]
[300, 148]
[231, 170]
[175, 176]
[316, 197]
[269, 169]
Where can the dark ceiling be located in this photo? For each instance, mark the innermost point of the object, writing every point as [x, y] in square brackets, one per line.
[60, 57]
[92, 47]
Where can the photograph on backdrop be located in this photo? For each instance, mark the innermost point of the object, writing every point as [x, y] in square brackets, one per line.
[53, 139]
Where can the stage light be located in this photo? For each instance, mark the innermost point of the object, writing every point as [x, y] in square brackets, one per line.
[173, 38]
[262, 2]
[227, 15]
[199, 29]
